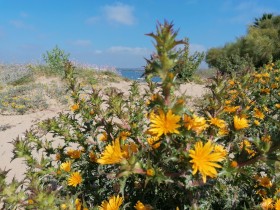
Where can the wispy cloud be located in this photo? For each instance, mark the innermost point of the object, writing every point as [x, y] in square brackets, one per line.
[130, 50]
[120, 13]
[246, 10]
[23, 14]
[92, 20]
[82, 43]
[20, 24]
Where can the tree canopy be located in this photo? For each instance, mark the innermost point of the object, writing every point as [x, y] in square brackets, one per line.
[260, 45]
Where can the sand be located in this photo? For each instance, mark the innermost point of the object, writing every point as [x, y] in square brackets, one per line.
[16, 125]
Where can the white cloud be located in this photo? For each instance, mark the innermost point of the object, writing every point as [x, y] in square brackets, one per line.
[92, 20]
[82, 43]
[120, 13]
[246, 11]
[20, 24]
[130, 50]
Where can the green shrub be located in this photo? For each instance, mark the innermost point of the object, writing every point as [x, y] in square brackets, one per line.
[151, 151]
[55, 60]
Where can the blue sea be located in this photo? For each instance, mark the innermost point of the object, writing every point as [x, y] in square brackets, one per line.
[134, 74]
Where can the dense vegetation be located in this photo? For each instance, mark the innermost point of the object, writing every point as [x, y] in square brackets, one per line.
[259, 46]
[152, 151]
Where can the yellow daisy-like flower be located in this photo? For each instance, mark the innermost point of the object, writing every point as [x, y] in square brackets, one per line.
[277, 204]
[234, 164]
[112, 153]
[103, 137]
[240, 123]
[277, 106]
[75, 154]
[66, 166]
[75, 107]
[267, 204]
[30, 202]
[223, 132]
[164, 123]
[257, 123]
[218, 122]
[258, 114]
[129, 149]
[150, 172]
[78, 204]
[231, 109]
[140, 206]
[266, 138]
[63, 206]
[265, 182]
[124, 135]
[205, 159]
[195, 123]
[75, 179]
[92, 156]
[153, 142]
[114, 203]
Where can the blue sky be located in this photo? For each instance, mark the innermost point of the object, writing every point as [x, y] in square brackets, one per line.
[108, 32]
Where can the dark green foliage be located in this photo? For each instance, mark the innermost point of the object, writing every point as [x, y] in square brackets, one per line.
[259, 46]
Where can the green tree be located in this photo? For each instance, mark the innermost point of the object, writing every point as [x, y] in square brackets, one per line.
[260, 45]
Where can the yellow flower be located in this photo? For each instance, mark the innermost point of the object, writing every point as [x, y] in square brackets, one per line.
[112, 154]
[103, 136]
[265, 182]
[153, 142]
[234, 164]
[30, 202]
[265, 90]
[164, 124]
[205, 159]
[240, 123]
[220, 149]
[57, 156]
[75, 179]
[195, 123]
[78, 204]
[128, 149]
[267, 204]
[66, 166]
[63, 206]
[277, 106]
[257, 123]
[218, 122]
[150, 172]
[75, 107]
[113, 204]
[75, 154]
[223, 132]
[231, 109]
[246, 145]
[92, 156]
[258, 114]
[277, 204]
[124, 135]
[140, 206]
[266, 138]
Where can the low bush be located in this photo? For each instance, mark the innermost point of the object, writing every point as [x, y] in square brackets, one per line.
[117, 151]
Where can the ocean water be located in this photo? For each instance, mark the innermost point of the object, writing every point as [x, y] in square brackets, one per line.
[134, 74]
